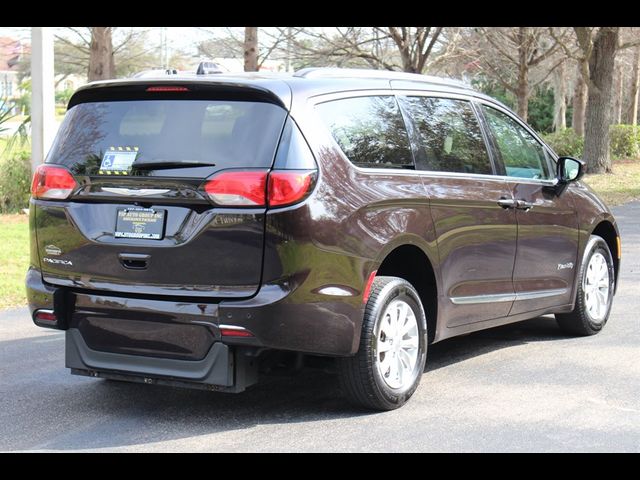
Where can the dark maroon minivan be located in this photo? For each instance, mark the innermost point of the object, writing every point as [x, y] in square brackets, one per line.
[195, 230]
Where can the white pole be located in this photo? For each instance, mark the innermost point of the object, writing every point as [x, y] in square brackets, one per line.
[42, 94]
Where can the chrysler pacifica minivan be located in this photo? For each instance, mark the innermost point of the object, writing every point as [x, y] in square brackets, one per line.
[192, 230]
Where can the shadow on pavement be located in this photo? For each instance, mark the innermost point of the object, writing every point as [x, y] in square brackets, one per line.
[92, 413]
[459, 349]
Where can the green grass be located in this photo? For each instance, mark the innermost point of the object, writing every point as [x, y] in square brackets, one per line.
[18, 146]
[621, 186]
[14, 259]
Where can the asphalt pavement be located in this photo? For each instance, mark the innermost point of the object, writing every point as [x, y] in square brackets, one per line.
[522, 387]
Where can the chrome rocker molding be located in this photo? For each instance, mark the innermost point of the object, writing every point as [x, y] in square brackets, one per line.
[508, 297]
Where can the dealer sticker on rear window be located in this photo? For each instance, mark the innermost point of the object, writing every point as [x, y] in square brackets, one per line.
[118, 160]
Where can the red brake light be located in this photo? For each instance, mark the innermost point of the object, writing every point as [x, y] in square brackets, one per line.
[288, 187]
[238, 189]
[51, 182]
[167, 88]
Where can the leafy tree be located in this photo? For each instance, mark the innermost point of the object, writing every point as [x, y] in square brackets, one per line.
[541, 109]
[510, 55]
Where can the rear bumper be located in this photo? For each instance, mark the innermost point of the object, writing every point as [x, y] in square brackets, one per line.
[187, 331]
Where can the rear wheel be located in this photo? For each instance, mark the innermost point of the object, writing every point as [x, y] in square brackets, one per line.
[393, 348]
[595, 291]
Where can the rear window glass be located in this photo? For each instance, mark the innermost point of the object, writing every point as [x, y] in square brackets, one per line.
[226, 133]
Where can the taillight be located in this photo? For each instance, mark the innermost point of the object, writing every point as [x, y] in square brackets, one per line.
[254, 188]
[238, 189]
[287, 187]
[51, 182]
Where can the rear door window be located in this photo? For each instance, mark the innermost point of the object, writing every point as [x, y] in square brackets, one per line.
[225, 133]
[369, 130]
[449, 134]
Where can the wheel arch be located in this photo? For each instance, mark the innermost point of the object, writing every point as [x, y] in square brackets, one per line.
[412, 263]
[607, 231]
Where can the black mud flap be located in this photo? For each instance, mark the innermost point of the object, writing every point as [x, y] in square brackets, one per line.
[222, 369]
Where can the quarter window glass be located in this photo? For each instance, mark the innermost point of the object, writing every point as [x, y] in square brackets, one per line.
[450, 137]
[522, 155]
[369, 130]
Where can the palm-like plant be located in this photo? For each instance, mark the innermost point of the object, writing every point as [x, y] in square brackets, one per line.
[5, 114]
[21, 135]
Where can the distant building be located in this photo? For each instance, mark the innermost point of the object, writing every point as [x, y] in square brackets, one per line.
[11, 51]
[69, 82]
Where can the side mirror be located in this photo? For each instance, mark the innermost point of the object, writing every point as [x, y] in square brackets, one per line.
[569, 170]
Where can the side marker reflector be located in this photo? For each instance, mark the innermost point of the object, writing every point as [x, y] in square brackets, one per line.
[367, 288]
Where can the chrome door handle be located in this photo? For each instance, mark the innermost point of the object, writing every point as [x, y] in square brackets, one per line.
[507, 203]
[523, 205]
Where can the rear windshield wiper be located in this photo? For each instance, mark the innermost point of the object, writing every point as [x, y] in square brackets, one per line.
[165, 164]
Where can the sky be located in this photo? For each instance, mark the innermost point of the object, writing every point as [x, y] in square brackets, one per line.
[179, 38]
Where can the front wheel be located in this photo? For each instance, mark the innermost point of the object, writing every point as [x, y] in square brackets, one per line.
[595, 291]
[393, 348]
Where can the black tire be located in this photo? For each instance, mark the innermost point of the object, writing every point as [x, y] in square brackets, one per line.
[359, 375]
[579, 322]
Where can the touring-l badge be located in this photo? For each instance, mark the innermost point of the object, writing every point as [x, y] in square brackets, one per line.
[58, 261]
[564, 266]
[52, 250]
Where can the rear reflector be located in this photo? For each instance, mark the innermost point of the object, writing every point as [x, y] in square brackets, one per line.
[232, 331]
[45, 316]
[54, 183]
[238, 189]
[367, 288]
[287, 187]
[167, 88]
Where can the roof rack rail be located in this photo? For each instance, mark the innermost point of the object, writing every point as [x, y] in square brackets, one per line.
[156, 72]
[322, 72]
[208, 68]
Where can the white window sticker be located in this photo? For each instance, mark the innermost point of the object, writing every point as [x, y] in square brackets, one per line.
[118, 161]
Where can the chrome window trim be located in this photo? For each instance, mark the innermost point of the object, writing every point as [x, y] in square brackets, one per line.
[329, 97]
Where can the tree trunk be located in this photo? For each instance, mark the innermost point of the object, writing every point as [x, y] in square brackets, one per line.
[616, 113]
[250, 49]
[523, 97]
[559, 99]
[101, 63]
[522, 88]
[635, 88]
[601, 68]
[579, 104]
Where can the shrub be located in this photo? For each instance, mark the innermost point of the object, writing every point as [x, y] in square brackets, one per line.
[565, 143]
[15, 181]
[624, 141]
[63, 97]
